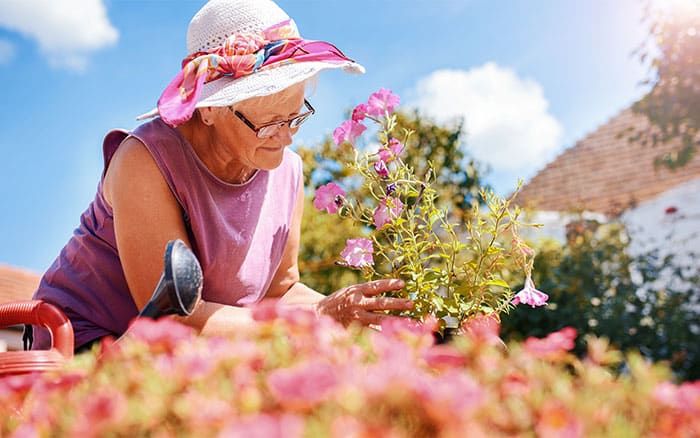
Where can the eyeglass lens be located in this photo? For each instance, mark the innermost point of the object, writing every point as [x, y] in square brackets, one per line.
[270, 130]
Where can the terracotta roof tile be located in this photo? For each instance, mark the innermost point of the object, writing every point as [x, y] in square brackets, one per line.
[605, 173]
[17, 283]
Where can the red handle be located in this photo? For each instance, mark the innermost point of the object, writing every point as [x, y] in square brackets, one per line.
[41, 313]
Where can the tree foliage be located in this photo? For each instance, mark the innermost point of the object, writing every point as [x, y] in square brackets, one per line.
[647, 302]
[673, 102]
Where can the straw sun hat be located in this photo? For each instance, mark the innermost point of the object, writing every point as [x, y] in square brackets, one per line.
[222, 20]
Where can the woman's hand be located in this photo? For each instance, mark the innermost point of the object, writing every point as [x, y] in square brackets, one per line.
[359, 302]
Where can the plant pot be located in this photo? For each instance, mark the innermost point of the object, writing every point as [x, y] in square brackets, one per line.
[447, 335]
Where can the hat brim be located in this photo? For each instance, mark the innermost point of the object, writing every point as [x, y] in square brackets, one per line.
[226, 91]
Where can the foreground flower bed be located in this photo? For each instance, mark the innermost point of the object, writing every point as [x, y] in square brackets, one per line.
[293, 375]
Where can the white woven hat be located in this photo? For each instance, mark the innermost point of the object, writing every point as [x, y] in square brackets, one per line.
[219, 19]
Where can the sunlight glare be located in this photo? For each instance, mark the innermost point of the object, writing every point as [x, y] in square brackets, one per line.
[686, 8]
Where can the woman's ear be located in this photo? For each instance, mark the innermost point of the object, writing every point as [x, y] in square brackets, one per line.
[207, 115]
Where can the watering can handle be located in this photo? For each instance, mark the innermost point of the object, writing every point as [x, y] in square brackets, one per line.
[41, 313]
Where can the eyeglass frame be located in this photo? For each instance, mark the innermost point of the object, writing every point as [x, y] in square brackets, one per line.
[257, 129]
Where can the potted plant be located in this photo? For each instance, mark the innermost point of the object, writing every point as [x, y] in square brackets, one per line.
[454, 271]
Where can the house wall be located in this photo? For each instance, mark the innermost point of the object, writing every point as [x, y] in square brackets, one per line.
[11, 339]
[670, 222]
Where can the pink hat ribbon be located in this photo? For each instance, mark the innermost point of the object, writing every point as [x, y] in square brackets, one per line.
[241, 55]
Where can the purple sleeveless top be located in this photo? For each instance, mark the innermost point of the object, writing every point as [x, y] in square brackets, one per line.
[237, 231]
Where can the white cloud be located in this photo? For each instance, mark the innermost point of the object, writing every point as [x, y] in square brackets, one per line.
[506, 117]
[7, 51]
[66, 30]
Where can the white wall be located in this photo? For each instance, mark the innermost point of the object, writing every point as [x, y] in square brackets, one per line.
[670, 222]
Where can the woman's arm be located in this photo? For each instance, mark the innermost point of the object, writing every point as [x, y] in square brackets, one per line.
[354, 303]
[146, 217]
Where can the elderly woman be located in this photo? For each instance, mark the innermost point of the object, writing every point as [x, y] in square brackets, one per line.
[215, 171]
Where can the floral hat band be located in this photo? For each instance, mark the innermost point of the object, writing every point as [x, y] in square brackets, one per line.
[241, 55]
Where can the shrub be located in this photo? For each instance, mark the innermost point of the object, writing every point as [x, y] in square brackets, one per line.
[294, 375]
[645, 302]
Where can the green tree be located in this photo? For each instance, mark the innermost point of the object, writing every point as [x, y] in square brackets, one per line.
[456, 180]
[673, 102]
[646, 302]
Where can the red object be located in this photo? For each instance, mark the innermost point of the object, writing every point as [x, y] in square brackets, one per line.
[671, 210]
[39, 313]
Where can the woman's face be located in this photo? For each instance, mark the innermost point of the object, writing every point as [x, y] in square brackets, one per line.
[241, 142]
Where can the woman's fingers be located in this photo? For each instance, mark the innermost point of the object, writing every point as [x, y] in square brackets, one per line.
[374, 319]
[387, 303]
[378, 286]
[359, 302]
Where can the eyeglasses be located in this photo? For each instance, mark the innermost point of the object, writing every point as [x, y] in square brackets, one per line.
[269, 129]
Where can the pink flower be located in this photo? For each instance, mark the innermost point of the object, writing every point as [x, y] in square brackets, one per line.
[348, 131]
[484, 328]
[359, 113]
[530, 295]
[163, 334]
[107, 405]
[382, 101]
[387, 211]
[391, 151]
[444, 357]
[556, 420]
[303, 386]
[358, 252]
[329, 197]
[381, 169]
[685, 397]
[553, 346]
[265, 425]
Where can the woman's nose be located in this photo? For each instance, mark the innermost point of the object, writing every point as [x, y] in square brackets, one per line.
[285, 133]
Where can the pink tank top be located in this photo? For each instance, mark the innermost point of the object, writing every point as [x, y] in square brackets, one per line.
[237, 231]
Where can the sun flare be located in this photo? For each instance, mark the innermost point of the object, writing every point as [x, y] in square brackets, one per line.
[686, 8]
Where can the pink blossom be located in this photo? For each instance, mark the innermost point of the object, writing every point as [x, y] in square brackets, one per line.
[401, 328]
[484, 328]
[382, 101]
[348, 131]
[164, 333]
[265, 425]
[329, 197]
[359, 113]
[556, 420]
[358, 252]
[554, 345]
[530, 295]
[387, 211]
[451, 394]
[444, 357]
[391, 151]
[304, 385]
[107, 405]
[685, 397]
[381, 169]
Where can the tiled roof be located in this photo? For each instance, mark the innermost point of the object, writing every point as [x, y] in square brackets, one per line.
[17, 283]
[605, 172]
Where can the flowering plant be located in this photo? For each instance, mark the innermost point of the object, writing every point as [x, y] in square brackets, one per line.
[454, 271]
[294, 375]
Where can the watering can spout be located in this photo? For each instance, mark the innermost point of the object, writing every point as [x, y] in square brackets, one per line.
[180, 286]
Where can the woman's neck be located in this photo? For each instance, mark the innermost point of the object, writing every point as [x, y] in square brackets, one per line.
[215, 157]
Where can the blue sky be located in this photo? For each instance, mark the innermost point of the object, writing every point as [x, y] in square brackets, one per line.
[531, 77]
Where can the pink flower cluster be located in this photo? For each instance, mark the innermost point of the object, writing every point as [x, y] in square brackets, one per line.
[379, 104]
[330, 197]
[292, 374]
